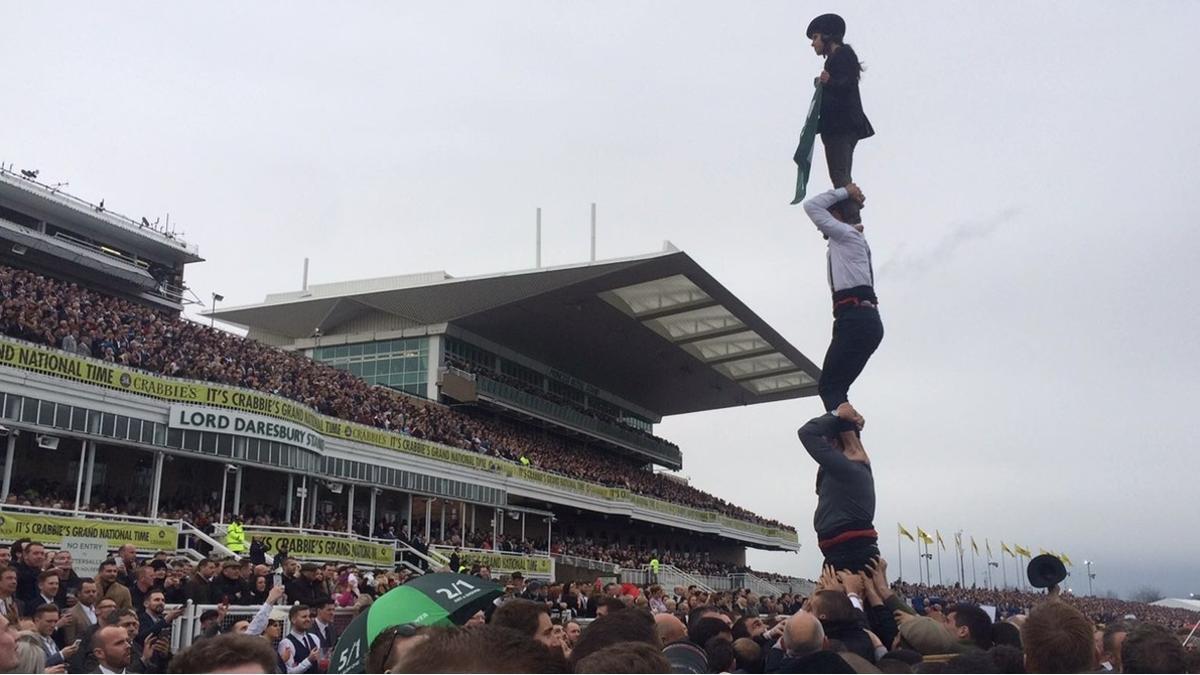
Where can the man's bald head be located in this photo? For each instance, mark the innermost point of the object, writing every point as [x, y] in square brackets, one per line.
[670, 628]
[803, 634]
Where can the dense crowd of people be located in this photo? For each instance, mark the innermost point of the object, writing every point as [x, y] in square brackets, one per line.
[56, 618]
[1012, 602]
[65, 315]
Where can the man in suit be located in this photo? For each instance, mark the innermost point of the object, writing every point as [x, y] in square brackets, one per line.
[46, 620]
[83, 614]
[48, 583]
[10, 607]
[33, 560]
[323, 625]
[200, 584]
[155, 617]
[111, 588]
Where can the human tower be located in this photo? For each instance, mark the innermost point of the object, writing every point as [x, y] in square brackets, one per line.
[844, 520]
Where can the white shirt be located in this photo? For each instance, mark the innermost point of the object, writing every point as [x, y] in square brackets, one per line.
[90, 612]
[287, 651]
[106, 670]
[849, 255]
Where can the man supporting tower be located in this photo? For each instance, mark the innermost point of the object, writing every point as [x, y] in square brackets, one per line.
[857, 328]
[845, 515]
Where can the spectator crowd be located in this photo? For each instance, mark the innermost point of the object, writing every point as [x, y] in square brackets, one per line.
[80, 320]
[119, 618]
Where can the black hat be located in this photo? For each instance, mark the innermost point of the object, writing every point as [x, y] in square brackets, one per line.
[1046, 570]
[827, 24]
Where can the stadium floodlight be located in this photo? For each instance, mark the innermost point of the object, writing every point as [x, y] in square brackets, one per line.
[216, 297]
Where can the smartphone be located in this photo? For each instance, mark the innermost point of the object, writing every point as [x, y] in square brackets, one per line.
[278, 579]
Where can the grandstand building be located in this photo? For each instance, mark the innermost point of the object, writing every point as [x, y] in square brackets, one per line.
[572, 361]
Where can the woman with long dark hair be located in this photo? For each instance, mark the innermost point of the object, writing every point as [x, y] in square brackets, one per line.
[842, 122]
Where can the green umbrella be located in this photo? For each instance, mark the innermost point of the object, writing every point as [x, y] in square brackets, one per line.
[429, 600]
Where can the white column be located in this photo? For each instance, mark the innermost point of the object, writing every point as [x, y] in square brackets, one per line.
[350, 512]
[79, 472]
[9, 455]
[371, 517]
[495, 529]
[434, 361]
[428, 518]
[549, 531]
[237, 490]
[462, 521]
[522, 526]
[474, 508]
[303, 498]
[408, 517]
[290, 494]
[442, 534]
[156, 486]
[316, 492]
[91, 473]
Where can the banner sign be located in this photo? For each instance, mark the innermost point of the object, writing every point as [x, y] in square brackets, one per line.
[54, 531]
[200, 418]
[499, 561]
[50, 361]
[86, 552]
[318, 547]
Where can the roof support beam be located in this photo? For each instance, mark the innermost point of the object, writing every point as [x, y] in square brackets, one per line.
[767, 373]
[676, 309]
[761, 351]
[732, 330]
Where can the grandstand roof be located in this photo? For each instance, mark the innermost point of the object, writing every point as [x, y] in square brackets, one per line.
[654, 329]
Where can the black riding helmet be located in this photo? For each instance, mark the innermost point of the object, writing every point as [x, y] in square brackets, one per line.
[827, 24]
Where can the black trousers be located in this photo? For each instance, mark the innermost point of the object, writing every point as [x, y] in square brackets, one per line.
[853, 555]
[857, 332]
[839, 156]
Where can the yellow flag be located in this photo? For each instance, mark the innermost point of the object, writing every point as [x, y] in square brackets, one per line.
[988, 545]
[1005, 549]
[1041, 551]
[1023, 551]
[939, 540]
[904, 532]
[974, 546]
[924, 536]
[1066, 559]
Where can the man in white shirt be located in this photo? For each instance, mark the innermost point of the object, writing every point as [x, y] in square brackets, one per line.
[300, 650]
[111, 648]
[48, 584]
[857, 328]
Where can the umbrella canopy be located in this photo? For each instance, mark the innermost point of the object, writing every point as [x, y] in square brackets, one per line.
[429, 600]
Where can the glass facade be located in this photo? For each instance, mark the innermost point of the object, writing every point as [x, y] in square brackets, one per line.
[400, 364]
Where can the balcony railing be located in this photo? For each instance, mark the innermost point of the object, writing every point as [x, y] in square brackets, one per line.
[661, 451]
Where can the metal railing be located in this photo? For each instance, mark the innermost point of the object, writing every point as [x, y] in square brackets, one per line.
[588, 563]
[656, 447]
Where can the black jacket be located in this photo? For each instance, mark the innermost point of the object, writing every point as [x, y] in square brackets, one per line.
[845, 489]
[841, 103]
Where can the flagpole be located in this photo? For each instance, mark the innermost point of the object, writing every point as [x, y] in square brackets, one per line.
[939, 555]
[974, 581]
[927, 557]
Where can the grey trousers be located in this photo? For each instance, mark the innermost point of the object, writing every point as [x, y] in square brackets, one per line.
[839, 155]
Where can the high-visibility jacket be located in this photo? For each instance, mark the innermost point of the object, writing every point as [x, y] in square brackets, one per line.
[654, 565]
[235, 538]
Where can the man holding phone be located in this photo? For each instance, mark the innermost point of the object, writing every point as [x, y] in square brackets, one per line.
[155, 618]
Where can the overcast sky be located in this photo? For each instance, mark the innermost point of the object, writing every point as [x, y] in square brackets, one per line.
[1031, 208]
